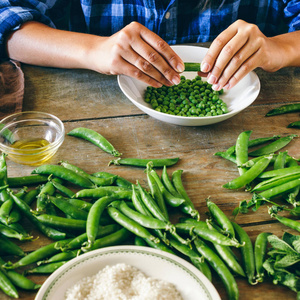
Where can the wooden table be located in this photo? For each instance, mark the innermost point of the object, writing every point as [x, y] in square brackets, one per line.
[88, 99]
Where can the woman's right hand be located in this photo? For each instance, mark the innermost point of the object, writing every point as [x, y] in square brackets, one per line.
[139, 53]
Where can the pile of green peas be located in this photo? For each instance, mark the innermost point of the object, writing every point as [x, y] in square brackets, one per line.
[190, 98]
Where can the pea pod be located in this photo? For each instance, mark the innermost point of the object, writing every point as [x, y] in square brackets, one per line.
[61, 222]
[285, 221]
[280, 172]
[65, 174]
[260, 248]
[294, 125]
[96, 180]
[219, 266]
[219, 216]
[201, 229]
[274, 146]
[37, 255]
[241, 150]
[140, 162]
[249, 175]
[131, 225]
[192, 67]
[286, 108]
[7, 287]
[26, 180]
[10, 248]
[26, 210]
[96, 193]
[112, 239]
[46, 269]
[79, 241]
[94, 215]
[229, 258]
[188, 206]
[119, 181]
[247, 252]
[168, 183]
[193, 255]
[95, 138]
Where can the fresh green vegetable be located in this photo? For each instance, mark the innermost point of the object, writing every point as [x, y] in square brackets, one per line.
[190, 98]
[95, 138]
[284, 109]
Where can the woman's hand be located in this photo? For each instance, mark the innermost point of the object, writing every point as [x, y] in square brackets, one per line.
[138, 52]
[238, 50]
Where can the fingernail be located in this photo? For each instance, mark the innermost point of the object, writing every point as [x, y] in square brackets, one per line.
[216, 87]
[176, 80]
[204, 67]
[212, 79]
[180, 67]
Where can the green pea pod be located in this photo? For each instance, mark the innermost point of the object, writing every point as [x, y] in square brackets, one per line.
[272, 192]
[7, 287]
[26, 210]
[68, 208]
[65, 174]
[95, 138]
[96, 180]
[10, 248]
[26, 180]
[247, 252]
[193, 255]
[173, 200]
[286, 221]
[249, 175]
[201, 229]
[220, 268]
[37, 255]
[138, 241]
[46, 269]
[241, 150]
[260, 248]
[229, 258]
[18, 279]
[119, 181]
[141, 162]
[286, 108]
[96, 193]
[188, 206]
[220, 217]
[168, 183]
[274, 146]
[294, 125]
[93, 219]
[280, 160]
[112, 239]
[62, 223]
[79, 241]
[156, 191]
[130, 225]
[192, 67]
[280, 172]
[230, 157]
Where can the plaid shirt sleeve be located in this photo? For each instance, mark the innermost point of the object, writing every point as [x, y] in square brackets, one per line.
[13, 13]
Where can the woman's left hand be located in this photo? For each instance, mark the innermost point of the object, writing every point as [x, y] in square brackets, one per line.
[239, 49]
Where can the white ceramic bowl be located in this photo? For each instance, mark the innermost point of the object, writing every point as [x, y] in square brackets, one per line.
[237, 99]
[188, 280]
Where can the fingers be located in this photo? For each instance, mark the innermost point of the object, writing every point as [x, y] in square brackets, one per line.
[150, 55]
[232, 55]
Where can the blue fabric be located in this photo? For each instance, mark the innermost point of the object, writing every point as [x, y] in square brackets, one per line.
[176, 22]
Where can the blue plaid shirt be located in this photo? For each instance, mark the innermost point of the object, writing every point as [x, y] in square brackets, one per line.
[177, 22]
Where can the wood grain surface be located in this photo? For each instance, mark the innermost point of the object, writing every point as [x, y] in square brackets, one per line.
[87, 99]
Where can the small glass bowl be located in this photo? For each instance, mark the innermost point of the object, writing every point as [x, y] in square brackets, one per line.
[30, 137]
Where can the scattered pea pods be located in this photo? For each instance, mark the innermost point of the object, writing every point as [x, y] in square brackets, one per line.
[286, 108]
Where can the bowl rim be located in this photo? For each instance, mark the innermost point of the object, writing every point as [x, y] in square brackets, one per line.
[46, 148]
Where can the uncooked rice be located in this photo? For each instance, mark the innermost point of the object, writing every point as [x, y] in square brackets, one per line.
[122, 282]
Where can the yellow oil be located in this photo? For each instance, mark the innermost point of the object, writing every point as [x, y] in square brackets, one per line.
[26, 151]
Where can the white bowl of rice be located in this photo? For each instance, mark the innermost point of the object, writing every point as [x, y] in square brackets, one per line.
[127, 273]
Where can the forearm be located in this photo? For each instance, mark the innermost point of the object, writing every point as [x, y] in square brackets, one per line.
[37, 44]
[288, 45]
